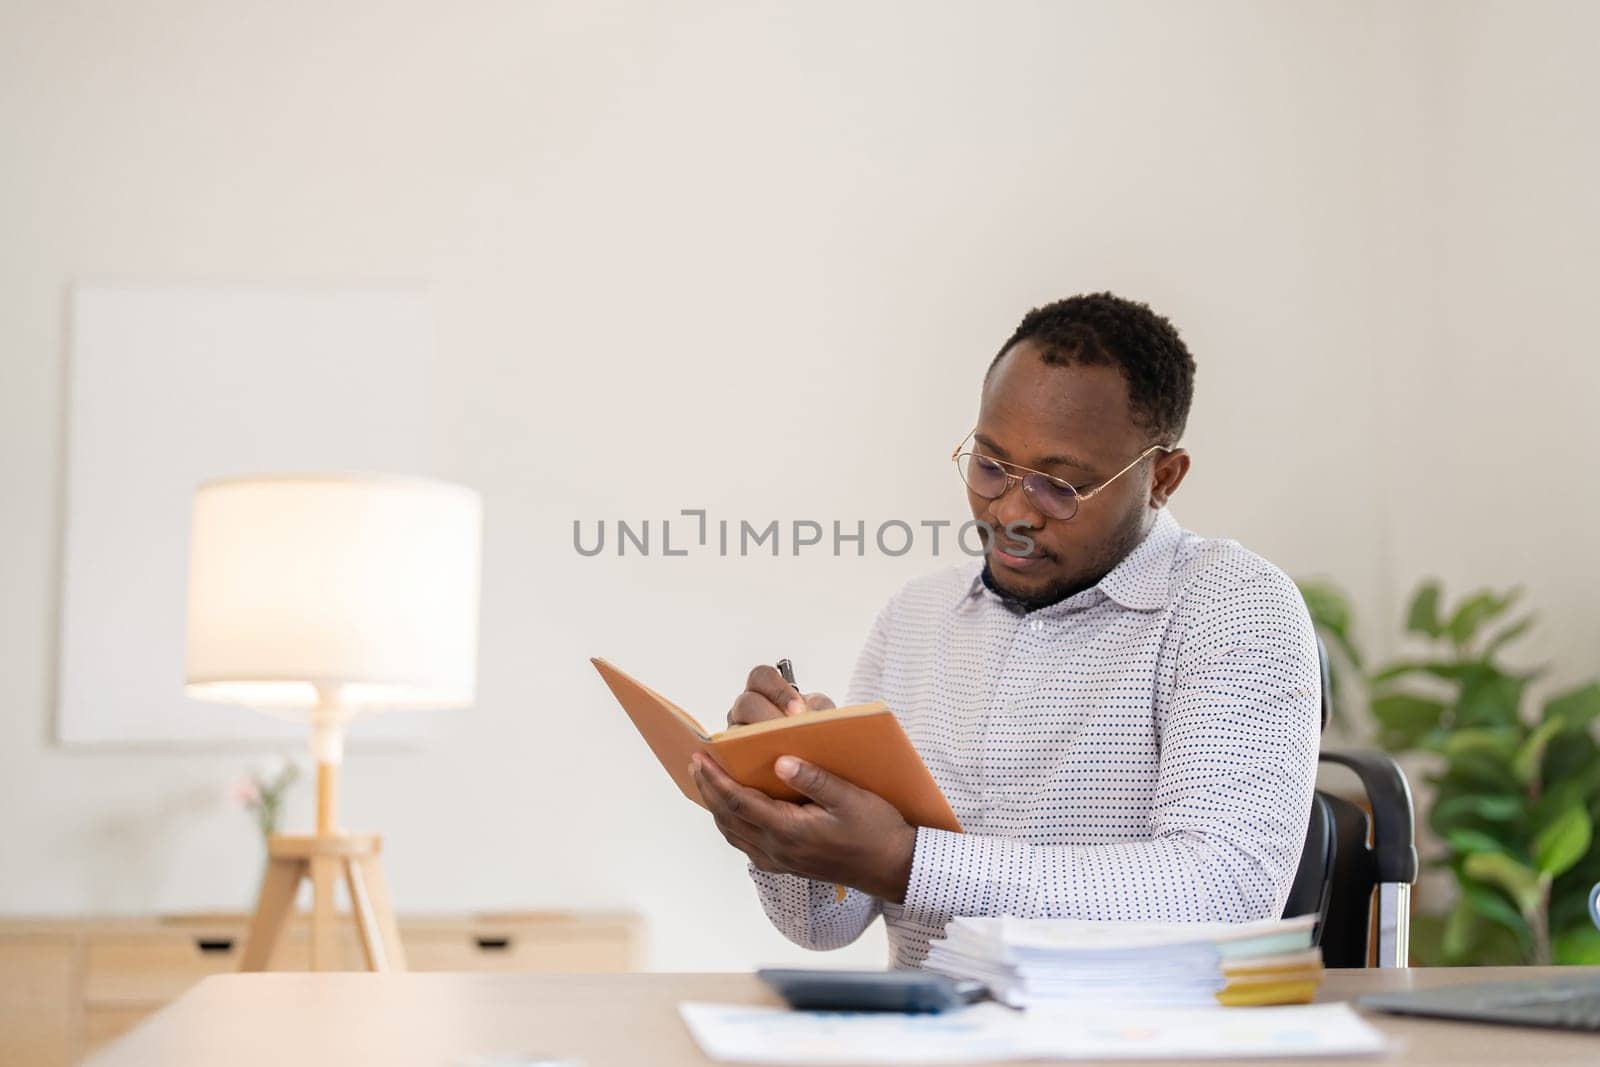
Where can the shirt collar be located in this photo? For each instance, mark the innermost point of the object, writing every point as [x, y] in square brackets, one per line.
[1140, 582]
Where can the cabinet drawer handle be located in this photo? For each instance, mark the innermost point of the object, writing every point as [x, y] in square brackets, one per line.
[214, 945]
[494, 944]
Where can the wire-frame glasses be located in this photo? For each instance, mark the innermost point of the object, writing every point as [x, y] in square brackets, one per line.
[991, 478]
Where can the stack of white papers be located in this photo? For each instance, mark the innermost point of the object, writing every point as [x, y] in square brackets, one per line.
[986, 1033]
[1027, 962]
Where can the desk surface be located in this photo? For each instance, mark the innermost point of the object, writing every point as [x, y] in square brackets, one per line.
[311, 1020]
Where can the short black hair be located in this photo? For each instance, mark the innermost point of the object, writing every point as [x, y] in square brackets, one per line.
[1102, 328]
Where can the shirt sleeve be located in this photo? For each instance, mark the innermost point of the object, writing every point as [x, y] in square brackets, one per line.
[810, 913]
[1238, 764]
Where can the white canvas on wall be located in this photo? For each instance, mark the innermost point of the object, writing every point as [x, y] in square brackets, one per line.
[169, 386]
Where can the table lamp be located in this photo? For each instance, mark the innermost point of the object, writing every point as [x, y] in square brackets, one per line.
[319, 598]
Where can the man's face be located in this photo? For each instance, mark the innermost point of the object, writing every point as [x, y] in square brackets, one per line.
[1072, 422]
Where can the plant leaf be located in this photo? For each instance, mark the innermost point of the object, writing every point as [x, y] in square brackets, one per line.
[1558, 798]
[1460, 928]
[1520, 882]
[1571, 770]
[1569, 894]
[1480, 772]
[1497, 742]
[1577, 707]
[1403, 719]
[1422, 616]
[1530, 757]
[1500, 817]
[1445, 669]
[1564, 842]
[1471, 842]
[1506, 636]
[1491, 807]
[1476, 610]
[1491, 905]
[1427, 940]
[1489, 697]
[1580, 945]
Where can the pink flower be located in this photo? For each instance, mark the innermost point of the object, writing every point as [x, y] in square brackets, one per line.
[244, 792]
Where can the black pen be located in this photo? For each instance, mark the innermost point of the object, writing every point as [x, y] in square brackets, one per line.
[786, 669]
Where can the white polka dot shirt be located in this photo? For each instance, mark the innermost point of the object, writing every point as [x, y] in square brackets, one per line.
[1144, 749]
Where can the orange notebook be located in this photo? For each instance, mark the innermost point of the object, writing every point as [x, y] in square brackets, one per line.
[863, 744]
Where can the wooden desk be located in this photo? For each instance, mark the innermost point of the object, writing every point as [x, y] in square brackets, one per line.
[70, 985]
[312, 1020]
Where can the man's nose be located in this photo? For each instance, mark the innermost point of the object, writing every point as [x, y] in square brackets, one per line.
[1014, 509]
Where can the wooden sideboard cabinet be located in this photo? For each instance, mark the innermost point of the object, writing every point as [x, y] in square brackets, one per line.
[68, 986]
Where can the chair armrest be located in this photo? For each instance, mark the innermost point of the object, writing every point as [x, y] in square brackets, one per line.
[1394, 849]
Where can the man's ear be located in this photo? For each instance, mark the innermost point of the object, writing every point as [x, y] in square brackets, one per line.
[1167, 476]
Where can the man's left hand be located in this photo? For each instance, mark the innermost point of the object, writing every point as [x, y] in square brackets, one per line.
[846, 835]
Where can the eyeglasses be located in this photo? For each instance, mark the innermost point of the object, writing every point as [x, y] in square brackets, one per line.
[990, 478]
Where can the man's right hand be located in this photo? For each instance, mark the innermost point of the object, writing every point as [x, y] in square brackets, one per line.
[767, 696]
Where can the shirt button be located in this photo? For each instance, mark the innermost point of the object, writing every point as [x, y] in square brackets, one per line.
[1036, 625]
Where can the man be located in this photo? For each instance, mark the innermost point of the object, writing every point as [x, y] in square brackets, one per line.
[1122, 714]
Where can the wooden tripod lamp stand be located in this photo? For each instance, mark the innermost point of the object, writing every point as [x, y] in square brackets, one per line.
[321, 597]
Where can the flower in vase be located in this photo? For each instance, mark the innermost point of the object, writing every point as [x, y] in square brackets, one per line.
[261, 790]
[243, 792]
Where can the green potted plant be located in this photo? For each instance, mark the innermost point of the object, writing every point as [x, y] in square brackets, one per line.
[1513, 792]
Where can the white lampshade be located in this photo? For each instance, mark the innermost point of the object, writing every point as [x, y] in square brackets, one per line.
[362, 587]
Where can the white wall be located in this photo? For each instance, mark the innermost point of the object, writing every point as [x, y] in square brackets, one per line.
[754, 258]
[1490, 427]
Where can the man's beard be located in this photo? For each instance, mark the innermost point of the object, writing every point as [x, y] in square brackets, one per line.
[1053, 593]
[1126, 540]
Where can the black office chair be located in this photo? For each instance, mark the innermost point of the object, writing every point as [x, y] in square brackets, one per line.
[1352, 860]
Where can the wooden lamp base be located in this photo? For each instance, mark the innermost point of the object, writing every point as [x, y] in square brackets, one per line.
[326, 857]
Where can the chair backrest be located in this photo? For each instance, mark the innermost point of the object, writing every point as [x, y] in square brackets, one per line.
[1312, 884]
[1347, 920]
[1313, 879]
[1350, 853]
[1374, 864]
